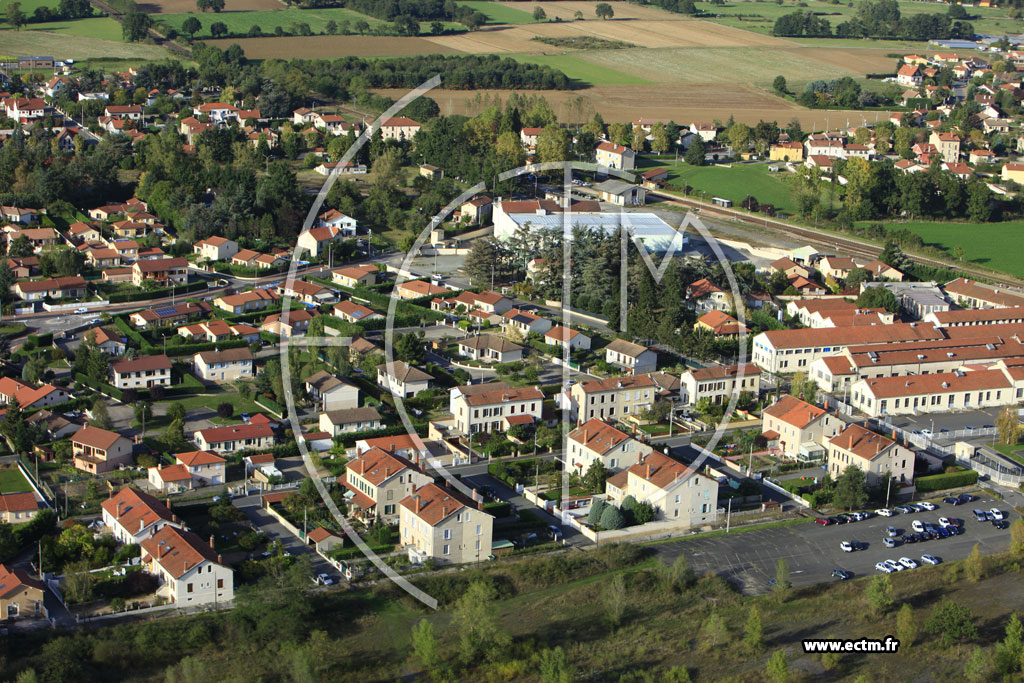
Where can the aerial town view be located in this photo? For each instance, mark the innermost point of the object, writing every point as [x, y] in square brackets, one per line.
[530, 340]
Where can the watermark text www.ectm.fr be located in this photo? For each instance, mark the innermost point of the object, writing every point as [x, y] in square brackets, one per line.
[888, 645]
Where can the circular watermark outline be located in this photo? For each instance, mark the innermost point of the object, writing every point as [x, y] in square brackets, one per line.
[690, 221]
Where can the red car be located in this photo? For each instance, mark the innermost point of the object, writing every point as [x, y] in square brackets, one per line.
[824, 521]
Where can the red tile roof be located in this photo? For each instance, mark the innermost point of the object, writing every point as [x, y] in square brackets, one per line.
[598, 436]
[377, 465]
[793, 411]
[96, 437]
[862, 442]
[18, 502]
[434, 504]
[178, 551]
[194, 458]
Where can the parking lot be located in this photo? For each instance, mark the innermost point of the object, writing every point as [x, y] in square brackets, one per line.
[749, 559]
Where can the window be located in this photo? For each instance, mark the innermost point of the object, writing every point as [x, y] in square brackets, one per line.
[220, 583]
[188, 588]
[447, 534]
[447, 549]
[478, 530]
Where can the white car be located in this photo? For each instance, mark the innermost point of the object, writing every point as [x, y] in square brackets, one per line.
[917, 526]
[883, 567]
[944, 522]
[846, 547]
[928, 506]
[883, 512]
[908, 563]
[930, 559]
[895, 566]
[996, 513]
[891, 531]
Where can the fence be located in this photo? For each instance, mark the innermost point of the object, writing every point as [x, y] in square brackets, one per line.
[41, 489]
[778, 489]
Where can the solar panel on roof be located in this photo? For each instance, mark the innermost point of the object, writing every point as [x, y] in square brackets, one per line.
[166, 311]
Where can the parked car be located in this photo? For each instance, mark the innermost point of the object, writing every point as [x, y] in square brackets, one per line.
[896, 566]
[928, 506]
[1001, 524]
[951, 500]
[891, 531]
[847, 547]
[883, 512]
[824, 521]
[903, 509]
[944, 522]
[889, 542]
[841, 574]
[996, 513]
[908, 563]
[917, 526]
[980, 515]
[966, 498]
[930, 559]
[883, 567]
[909, 538]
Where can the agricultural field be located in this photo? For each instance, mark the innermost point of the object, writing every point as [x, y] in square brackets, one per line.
[102, 28]
[578, 68]
[566, 10]
[74, 46]
[735, 182]
[985, 244]
[27, 6]
[230, 6]
[760, 17]
[329, 47]
[499, 13]
[267, 20]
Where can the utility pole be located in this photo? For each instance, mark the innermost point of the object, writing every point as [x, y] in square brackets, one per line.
[728, 517]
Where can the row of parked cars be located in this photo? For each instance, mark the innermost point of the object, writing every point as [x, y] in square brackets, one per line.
[890, 566]
[909, 508]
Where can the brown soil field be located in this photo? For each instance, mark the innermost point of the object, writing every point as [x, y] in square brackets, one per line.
[643, 33]
[185, 6]
[623, 103]
[329, 47]
[566, 10]
[860, 60]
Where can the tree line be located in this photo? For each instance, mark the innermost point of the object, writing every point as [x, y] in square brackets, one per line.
[877, 19]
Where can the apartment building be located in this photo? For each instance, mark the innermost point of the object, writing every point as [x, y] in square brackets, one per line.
[800, 429]
[718, 383]
[965, 389]
[973, 294]
[487, 407]
[598, 441]
[378, 481]
[976, 316]
[612, 398]
[141, 373]
[873, 453]
[677, 493]
[190, 571]
[438, 524]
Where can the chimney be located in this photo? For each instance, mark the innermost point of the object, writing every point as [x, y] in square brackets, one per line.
[649, 471]
[168, 502]
[220, 559]
[416, 503]
[174, 518]
[142, 525]
[387, 472]
[444, 511]
[211, 540]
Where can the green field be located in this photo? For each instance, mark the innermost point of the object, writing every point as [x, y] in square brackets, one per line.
[734, 183]
[103, 28]
[11, 481]
[27, 6]
[267, 20]
[499, 14]
[761, 16]
[585, 71]
[74, 45]
[985, 244]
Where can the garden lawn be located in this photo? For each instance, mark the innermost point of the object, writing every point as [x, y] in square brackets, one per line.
[1014, 452]
[583, 71]
[990, 245]
[211, 401]
[11, 481]
[734, 183]
[499, 14]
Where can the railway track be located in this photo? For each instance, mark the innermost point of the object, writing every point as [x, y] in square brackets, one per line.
[829, 240]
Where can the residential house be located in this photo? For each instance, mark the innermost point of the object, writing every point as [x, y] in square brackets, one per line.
[317, 240]
[142, 372]
[718, 384]
[800, 429]
[133, 516]
[790, 268]
[331, 393]
[287, 324]
[205, 467]
[836, 267]
[707, 131]
[946, 144]
[489, 407]
[786, 151]
[336, 422]
[477, 210]
[306, 292]
[615, 156]
[233, 438]
[438, 524]
[708, 296]
[226, 365]
[169, 478]
[218, 112]
[246, 302]
[417, 289]
[409, 446]
[402, 379]
[352, 312]
[597, 441]
[29, 397]
[354, 276]
[399, 128]
[217, 330]
[524, 322]
[720, 324]
[621, 193]
[528, 136]
[169, 315]
[873, 453]
[909, 75]
[165, 272]
[191, 572]
[215, 248]
[677, 493]
[18, 508]
[22, 596]
[71, 287]
[377, 481]
[489, 347]
[334, 219]
[563, 336]
[633, 358]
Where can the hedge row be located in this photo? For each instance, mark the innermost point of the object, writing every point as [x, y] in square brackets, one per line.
[348, 439]
[949, 480]
[191, 349]
[102, 387]
[270, 404]
[156, 293]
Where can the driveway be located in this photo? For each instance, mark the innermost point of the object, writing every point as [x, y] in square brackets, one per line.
[749, 558]
[274, 530]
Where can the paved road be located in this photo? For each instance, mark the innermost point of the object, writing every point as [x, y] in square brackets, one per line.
[749, 559]
[266, 523]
